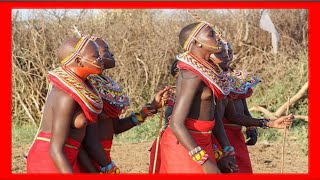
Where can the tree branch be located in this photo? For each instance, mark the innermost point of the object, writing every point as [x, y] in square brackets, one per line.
[292, 100]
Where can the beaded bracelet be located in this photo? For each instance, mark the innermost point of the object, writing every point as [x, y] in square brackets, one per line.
[263, 123]
[136, 118]
[149, 110]
[109, 167]
[201, 157]
[228, 151]
[217, 153]
[195, 151]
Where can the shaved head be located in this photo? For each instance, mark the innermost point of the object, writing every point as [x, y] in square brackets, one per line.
[66, 48]
[185, 32]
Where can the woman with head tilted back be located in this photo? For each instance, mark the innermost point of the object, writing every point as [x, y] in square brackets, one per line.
[186, 146]
[94, 155]
[70, 106]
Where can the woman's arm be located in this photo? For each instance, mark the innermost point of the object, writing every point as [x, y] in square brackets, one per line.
[63, 109]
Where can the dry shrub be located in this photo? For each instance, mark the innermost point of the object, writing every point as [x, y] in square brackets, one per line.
[145, 42]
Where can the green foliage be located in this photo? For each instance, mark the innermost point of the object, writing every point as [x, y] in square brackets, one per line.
[23, 134]
[287, 79]
[298, 134]
[145, 132]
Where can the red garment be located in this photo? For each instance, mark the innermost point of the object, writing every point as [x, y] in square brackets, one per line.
[86, 96]
[174, 157]
[106, 144]
[152, 154]
[39, 159]
[171, 102]
[237, 140]
[111, 110]
[235, 96]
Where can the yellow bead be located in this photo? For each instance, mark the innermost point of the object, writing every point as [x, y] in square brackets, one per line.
[117, 171]
[197, 157]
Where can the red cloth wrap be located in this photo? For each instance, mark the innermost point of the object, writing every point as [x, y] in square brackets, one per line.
[92, 117]
[174, 156]
[39, 159]
[216, 91]
[170, 102]
[226, 122]
[237, 140]
[235, 96]
[110, 110]
[107, 144]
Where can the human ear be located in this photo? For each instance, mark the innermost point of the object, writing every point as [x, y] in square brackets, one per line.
[77, 60]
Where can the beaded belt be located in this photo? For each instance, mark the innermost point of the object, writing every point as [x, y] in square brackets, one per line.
[48, 140]
[107, 149]
[199, 132]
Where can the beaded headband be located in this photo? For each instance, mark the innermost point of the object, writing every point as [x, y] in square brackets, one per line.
[215, 28]
[217, 31]
[82, 43]
[197, 29]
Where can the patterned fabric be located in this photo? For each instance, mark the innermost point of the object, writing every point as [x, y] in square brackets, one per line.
[241, 84]
[241, 81]
[215, 79]
[235, 96]
[87, 97]
[112, 94]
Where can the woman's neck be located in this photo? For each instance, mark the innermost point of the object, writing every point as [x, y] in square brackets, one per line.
[199, 54]
[79, 73]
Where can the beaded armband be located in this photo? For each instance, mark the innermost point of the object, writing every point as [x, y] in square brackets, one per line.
[218, 154]
[201, 157]
[110, 169]
[263, 123]
[136, 118]
[149, 110]
[228, 151]
[195, 151]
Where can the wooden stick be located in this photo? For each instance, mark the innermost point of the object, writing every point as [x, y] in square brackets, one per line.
[158, 138]
[293, 99]
[284, 138]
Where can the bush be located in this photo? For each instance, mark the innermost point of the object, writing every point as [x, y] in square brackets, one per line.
[145, 42]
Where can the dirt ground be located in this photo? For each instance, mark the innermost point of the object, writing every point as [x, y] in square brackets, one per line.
[134, 158]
